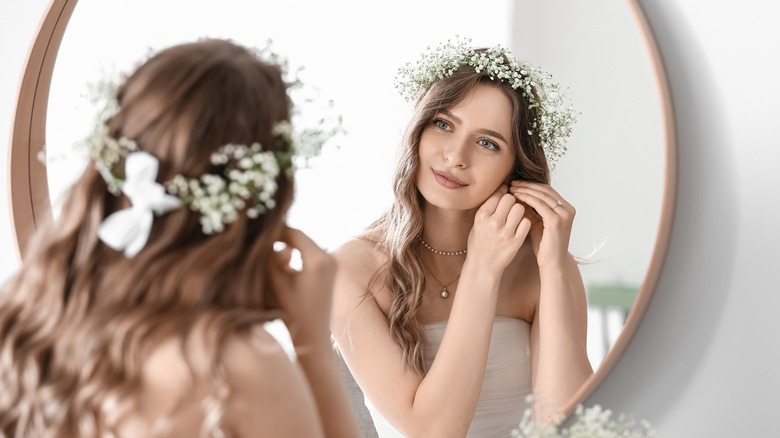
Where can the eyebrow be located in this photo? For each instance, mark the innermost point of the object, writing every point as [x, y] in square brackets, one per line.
[481, 130]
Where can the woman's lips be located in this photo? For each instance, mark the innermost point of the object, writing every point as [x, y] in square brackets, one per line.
[447, 180]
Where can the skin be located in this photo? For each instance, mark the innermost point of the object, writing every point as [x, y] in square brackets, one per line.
[517, 265]
[305, 298]
[271, 395]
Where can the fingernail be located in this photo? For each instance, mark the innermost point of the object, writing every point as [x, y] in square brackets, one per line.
[278, 246]
[296, 262]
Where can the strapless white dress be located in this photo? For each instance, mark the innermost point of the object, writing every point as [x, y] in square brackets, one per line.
[506, 385]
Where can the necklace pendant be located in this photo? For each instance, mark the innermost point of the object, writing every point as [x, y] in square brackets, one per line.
[444, 293]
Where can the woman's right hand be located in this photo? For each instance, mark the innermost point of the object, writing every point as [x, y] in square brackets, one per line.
[499, 230]
[304, 296]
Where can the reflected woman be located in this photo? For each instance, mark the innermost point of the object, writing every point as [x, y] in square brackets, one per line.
[462, 300]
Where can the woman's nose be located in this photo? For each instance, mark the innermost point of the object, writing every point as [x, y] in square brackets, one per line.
[455, 153]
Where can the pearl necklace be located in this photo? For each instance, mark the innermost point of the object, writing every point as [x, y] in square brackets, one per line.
[444, 292]
[444, 253]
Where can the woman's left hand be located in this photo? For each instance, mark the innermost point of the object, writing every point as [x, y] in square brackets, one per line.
[551, 221]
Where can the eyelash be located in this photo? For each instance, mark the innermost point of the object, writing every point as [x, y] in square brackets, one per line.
[439, 122]
[444, 126]
[493, 145]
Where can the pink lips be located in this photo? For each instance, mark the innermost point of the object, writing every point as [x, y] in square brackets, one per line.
[448, 180]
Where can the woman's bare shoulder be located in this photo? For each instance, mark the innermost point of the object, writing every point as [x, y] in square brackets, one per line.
[360, 256]
[248, 360]
[256, 370]
[254, 355]
[361, 265]
[173, 355]
[267, 390]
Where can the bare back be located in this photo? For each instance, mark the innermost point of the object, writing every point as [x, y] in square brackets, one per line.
[268, 394]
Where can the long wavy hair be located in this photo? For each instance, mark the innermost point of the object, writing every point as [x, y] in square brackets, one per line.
[396, 232]
[78, 319]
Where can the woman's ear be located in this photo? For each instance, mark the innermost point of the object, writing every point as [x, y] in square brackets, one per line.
[508, 179]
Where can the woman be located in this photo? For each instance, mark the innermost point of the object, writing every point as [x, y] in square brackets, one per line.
[140, 312]
[463, 300]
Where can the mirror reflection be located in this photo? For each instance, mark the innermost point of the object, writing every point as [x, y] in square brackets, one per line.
[613, 171]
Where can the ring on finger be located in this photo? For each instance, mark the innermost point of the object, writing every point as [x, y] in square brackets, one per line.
[558, 204]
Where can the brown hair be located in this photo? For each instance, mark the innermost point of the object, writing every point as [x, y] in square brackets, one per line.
[397, 229]
[78, 319]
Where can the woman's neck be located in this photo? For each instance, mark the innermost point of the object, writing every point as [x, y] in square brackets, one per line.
[446, 230]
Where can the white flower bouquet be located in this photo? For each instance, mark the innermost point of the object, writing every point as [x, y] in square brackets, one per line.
[592, 422]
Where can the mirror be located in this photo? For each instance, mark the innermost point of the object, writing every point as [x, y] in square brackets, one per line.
[619, 172]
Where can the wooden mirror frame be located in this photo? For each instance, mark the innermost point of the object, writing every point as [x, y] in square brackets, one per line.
[28, 181]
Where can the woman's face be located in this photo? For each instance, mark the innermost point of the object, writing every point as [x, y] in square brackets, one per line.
[466, 151]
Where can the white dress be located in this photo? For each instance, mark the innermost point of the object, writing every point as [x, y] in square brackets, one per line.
[505, 388]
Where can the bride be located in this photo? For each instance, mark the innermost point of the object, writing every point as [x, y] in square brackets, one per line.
[462, 300]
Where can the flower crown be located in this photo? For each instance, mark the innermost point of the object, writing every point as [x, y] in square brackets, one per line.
[246, 183]
[554, 113]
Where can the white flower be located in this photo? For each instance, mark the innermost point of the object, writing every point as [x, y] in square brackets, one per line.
[593, 422]
[555, 115]
[247, 174]
[248, 181]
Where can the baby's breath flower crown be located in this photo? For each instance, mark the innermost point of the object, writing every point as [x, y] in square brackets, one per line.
[555, 114]
[248, 179]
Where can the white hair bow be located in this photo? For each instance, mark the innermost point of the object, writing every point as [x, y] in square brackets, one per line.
[128, 230]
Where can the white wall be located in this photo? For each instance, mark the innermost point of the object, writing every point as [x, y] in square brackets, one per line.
[613, 170]
[705, 360]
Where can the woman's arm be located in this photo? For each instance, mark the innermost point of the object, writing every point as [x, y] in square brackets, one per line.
[318, 361]
[441, 403]
[305, 298]
[560, 362]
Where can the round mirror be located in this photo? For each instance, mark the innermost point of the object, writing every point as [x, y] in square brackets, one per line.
[619, 171]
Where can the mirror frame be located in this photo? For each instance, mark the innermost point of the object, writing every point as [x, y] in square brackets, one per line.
[31, 205]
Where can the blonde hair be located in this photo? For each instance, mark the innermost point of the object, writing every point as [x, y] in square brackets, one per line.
[78, 319]
[398, 228]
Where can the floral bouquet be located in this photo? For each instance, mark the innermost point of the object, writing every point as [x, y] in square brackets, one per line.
[593, 422]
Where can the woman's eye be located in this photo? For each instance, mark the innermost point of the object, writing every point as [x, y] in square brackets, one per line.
[487, 144]
[441, 124]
